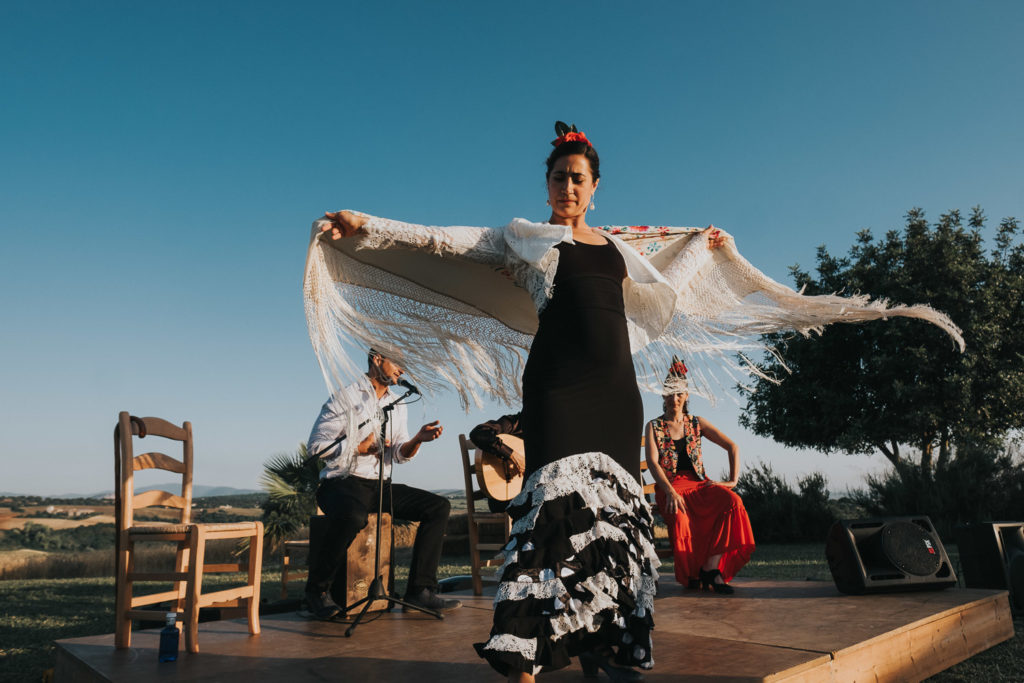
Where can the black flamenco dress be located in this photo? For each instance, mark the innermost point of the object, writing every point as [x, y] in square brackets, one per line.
[579, 385]
[580, 568]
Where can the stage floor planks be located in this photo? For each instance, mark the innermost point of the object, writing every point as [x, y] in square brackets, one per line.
[768, 631]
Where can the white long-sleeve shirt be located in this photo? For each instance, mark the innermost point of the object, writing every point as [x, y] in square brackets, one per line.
[333, 421]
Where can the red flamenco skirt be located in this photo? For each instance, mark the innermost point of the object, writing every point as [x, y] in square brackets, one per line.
[715, 523]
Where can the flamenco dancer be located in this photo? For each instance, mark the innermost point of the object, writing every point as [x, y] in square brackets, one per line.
[707, 523]
[458, 305]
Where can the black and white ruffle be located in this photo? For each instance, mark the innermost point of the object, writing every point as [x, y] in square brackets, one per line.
[580, 569]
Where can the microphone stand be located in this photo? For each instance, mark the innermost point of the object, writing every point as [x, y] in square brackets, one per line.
[376, 590]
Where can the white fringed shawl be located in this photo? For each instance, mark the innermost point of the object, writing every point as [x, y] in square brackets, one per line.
[457, 306]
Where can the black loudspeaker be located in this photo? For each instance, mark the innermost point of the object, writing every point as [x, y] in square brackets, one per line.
[992, 556]
[886, 555]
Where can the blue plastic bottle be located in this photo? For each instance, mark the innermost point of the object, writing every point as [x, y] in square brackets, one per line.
[169, 640]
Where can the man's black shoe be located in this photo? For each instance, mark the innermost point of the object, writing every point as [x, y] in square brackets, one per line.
[431, 600]
[322, 606]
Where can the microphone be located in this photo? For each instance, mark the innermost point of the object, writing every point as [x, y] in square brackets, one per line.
[409, 386]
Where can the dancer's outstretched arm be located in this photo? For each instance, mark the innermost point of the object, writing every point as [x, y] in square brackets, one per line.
[483, 245]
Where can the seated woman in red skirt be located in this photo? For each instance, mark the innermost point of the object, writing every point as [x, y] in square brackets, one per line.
[707, 523]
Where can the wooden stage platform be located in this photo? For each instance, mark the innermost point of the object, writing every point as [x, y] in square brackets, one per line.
[768, 631]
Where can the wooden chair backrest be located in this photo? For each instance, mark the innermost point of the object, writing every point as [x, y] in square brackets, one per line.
[473, 494]
[126, 464]
[646, 481]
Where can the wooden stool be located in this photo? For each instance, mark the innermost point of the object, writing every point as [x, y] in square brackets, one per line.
[291, 548]
[352, 582]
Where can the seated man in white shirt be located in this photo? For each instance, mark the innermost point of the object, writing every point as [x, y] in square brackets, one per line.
[348, 487]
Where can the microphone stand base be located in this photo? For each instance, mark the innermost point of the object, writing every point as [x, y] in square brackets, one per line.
[376, 592]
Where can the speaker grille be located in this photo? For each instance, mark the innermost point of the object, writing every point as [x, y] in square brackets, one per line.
[911, 548]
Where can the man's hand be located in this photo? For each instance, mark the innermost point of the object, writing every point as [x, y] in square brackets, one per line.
[429, 432]
[370, 446]
[515, 468]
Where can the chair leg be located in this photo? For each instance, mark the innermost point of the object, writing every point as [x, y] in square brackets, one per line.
[123, 597]
[255, 575]
[180, 565]
[285, 563]
[197, 550]
[474, 555]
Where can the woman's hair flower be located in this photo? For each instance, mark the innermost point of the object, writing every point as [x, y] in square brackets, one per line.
[675, 380]
[571, 136]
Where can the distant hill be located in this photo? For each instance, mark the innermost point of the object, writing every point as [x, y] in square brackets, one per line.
[198, 490]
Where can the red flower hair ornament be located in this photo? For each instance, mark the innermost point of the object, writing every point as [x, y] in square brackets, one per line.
[675, 380]
[567, 133]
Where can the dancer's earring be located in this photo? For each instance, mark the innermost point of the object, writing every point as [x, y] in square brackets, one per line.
[548, 202]
[592, 202]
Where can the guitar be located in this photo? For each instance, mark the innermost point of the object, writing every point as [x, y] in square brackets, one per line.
[494, 477]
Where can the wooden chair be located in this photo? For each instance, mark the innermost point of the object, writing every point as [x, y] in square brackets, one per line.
[191, 538]
[647, 480]
[475, 519]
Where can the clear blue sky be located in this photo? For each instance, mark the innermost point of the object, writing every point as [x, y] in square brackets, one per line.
[161, 164]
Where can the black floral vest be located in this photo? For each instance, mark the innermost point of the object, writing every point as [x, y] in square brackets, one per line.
[668, 458]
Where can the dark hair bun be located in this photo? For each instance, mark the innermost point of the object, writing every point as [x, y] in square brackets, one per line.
[579, 145]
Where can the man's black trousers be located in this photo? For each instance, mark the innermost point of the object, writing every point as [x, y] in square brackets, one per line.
[347, 502]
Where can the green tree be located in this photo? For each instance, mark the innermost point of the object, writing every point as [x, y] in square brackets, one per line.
[900, 387]
[781, 515]
[983, 481]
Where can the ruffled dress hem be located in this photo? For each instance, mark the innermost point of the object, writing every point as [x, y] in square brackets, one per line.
[580, 569]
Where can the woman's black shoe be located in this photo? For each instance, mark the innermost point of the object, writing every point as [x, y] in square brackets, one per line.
[707, 582]
[591, 661]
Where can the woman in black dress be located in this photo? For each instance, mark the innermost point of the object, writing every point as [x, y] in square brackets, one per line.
[579, 387]
[582, 415]
[580, 569]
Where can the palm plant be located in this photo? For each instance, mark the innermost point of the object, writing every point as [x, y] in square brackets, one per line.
[290, 483]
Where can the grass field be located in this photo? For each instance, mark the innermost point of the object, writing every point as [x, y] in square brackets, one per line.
[35, 613]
